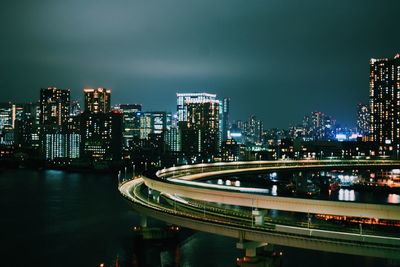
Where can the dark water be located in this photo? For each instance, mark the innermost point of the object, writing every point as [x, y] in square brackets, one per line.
[53, 218]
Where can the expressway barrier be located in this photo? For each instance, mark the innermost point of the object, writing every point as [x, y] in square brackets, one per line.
[182, 193]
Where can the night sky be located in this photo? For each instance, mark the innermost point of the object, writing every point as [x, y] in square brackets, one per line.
[278, 59]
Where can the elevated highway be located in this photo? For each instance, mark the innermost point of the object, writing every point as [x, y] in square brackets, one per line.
[172, 187]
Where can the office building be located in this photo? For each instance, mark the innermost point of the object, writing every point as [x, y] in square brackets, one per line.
[224, 119]
[27, 125]
[385, 102]
[318, 126]
[253, 130]
[101, 135]
[6, 122]
[363, 119]
[230, 150]
[54, 112]
[172, 140]
[154, 123]
[183, 98]
[97, 100]
[131, 122]
[54, 106]
[76, 109]
[200, 133]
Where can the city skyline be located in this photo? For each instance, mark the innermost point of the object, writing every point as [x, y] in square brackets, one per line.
[200, 133]
[81, 101]
[264, 57]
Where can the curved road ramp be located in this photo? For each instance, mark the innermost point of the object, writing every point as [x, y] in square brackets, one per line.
[180, 196]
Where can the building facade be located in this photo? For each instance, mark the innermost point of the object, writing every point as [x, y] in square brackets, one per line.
[384, 99]
[97, 100]
[183, 98]
[54, 106]
[363, 120]
[101, 135]
[200, 133]
[131, 122]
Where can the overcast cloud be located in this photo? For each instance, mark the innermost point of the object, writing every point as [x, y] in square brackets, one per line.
[279, 59]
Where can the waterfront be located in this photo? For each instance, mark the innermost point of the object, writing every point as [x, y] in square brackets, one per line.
[54, 218]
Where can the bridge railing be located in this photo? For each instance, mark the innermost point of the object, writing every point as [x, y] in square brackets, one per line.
[209, 167]
[206, 213]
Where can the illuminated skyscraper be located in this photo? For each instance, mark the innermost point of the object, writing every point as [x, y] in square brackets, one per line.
[172, 140]
[101, 128]
[54, 106]
[27, 125]
[54, 112]
[200, 133]
[97, 100]
[6, 122]
[363, 119]
[224, 118]
[318, 126]
[385, 101]
[102, 135]
[182, 99]
[131, 122]
[253, 130]
[75, 108]
[154, 123]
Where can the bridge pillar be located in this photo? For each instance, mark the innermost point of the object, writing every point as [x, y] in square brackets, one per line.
[143, 221]
[156, 196]
[259, 216]
[250, 247]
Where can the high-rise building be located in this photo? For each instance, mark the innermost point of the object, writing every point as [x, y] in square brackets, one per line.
[55, 145]
[363, 119]
[253, 130]
[154, 123]
[97, 100]
[54, 106]
[236, 132]
[200, 133]
[74, 137]
[182, 99]
[101, 128]
[27, 125]
[318, 126]
[146, 124]
[54, 112]
[102, 135]
[384, 99]
[61, 145]
[224, 118]
[75, 108]
[230, 150]
[172, 140]
[131, 122]
[6, 122]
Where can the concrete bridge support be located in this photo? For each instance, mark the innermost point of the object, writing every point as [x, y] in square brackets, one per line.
[250, 247]
[143, 221]
[259, 216]
[155, 195]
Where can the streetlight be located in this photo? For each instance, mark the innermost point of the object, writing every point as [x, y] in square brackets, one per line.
[133, 170]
